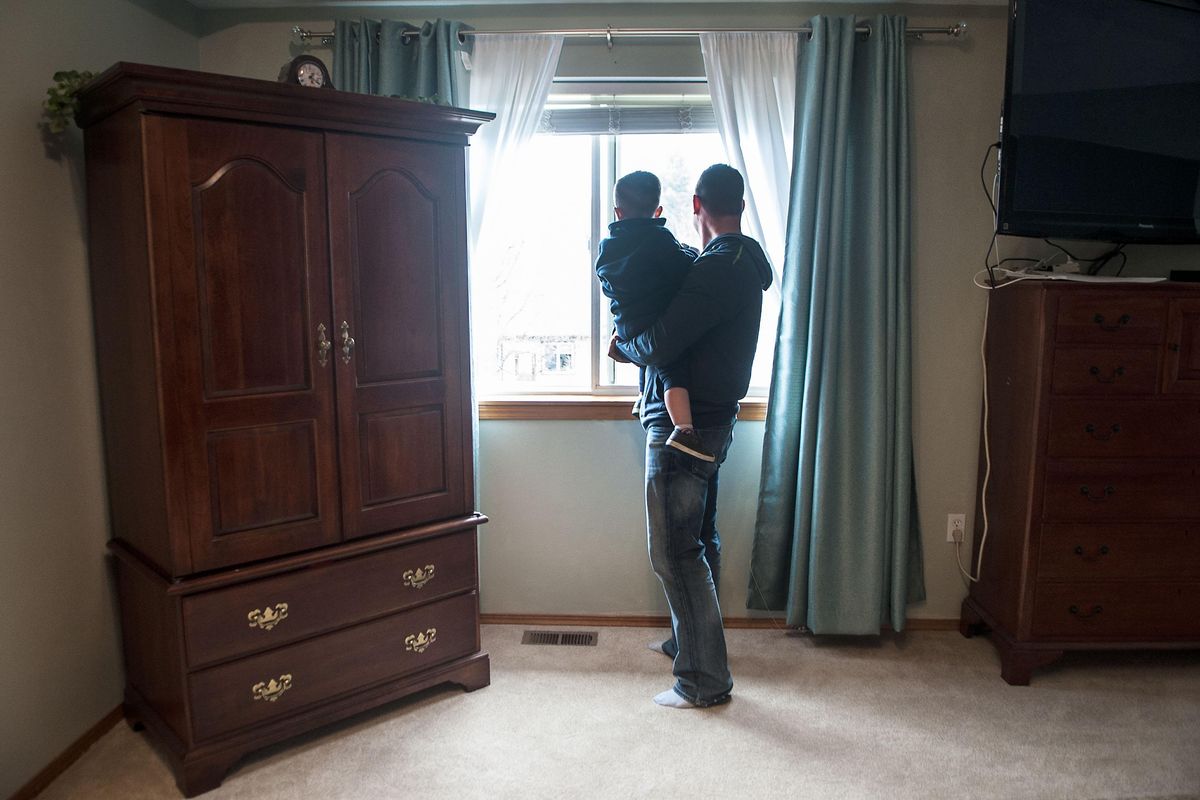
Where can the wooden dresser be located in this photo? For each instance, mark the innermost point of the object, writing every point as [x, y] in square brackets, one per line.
[280, 301]
[1094, 495]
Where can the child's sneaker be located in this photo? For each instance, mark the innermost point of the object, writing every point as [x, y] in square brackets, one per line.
[685, 440]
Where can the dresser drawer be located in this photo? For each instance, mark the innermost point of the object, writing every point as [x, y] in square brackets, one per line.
[1101, 428]
[1112, 319]
[1100, 551]
[243, 619]
[259, 688]
[1105, 371]
[1117, 610]
[1106, 491]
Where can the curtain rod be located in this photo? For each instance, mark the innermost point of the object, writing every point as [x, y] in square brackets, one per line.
[957, 31]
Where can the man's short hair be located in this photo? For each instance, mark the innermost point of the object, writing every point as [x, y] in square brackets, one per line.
[720, 190]
[637, 194]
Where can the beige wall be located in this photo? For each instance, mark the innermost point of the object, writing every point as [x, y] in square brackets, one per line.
[60, 663]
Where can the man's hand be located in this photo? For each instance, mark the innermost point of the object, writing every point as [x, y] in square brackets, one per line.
[615, 353]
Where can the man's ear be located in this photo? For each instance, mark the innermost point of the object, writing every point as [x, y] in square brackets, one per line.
[658, 212]
[695, 204]
[743, 205]
[619, 213]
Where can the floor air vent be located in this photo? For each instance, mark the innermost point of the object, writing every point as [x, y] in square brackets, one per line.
[576, 639]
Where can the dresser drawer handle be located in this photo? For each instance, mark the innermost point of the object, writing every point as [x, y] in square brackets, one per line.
[267, 618]
[271, 690]
[1079, 551]
[1123, 320]
[416, 578]
[1075, 612]
[419, 642]
[1112, 377]
[1107, 492]
[1102, 436]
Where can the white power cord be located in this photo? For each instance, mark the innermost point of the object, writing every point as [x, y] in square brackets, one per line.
[987, 458]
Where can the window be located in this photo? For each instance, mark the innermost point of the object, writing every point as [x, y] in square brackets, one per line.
[540, 323]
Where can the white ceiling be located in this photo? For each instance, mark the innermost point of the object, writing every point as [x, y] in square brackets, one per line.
[247, 4]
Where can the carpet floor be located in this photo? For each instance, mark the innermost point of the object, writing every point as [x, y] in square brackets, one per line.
[920, 716]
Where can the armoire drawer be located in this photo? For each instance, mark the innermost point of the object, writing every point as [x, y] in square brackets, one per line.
[1102, 428]
[259, 688]
[1113, 490]
[1105, 371]
[1102, 551]
[248, 617]
[1105, 318]
[1131, 610]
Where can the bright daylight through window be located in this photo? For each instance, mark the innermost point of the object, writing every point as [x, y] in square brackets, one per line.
[540, 323]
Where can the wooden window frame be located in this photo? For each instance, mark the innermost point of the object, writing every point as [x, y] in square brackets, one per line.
[584, 407]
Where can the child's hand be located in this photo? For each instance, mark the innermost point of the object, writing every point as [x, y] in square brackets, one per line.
[615, 353]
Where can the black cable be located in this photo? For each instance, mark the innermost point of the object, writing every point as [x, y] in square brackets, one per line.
[1124, 261]
[983, 182]
[987, 257]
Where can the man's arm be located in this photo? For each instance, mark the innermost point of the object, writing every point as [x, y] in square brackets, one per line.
[708, 296]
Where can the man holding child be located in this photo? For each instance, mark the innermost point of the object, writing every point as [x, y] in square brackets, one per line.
[699, 336]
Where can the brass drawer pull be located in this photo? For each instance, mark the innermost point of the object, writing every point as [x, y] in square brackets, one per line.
[271, 690]
[323, 345]
[419, 642]
[347, 343]
[1112, 378]
[1102, 436]
[268, 618]
[1106, 493]
[1123, 320]
[1075, 612]
[1079, 551]
[416, 578]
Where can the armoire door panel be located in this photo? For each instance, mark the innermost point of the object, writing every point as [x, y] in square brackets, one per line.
[252, 320]
[249, 408]
[261, 477]
[401, 305]
[403, 455]
[399, 254]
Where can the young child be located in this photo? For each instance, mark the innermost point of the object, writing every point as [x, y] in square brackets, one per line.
[641, 266]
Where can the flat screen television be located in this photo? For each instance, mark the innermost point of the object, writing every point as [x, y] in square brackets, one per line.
[1100, 133]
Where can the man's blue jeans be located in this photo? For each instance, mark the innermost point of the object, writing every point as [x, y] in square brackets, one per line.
[685, 552]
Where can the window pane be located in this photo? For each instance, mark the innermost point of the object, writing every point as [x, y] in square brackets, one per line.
[532, 273]
[678, 160]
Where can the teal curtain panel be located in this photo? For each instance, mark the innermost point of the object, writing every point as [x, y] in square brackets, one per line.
[836, 541]
[395, 59]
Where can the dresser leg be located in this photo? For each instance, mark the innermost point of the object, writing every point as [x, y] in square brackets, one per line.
[969, 621]
[476, 675]
[1017, 665]
[204, 775]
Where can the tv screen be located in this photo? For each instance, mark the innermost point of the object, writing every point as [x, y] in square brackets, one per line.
[1100, 134]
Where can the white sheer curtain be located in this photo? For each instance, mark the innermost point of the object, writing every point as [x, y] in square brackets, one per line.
[510, 76]
[752, 80]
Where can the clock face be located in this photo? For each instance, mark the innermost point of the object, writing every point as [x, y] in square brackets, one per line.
[309, 74]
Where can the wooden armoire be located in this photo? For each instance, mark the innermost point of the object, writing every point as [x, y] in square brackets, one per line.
[280, 302]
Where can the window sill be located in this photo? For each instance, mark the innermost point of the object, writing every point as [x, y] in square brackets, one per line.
[585, 407]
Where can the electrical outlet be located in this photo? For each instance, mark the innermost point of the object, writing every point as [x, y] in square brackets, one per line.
[956, 527]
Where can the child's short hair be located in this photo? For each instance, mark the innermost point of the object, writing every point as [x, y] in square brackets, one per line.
[720, 190]
[637, 194]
